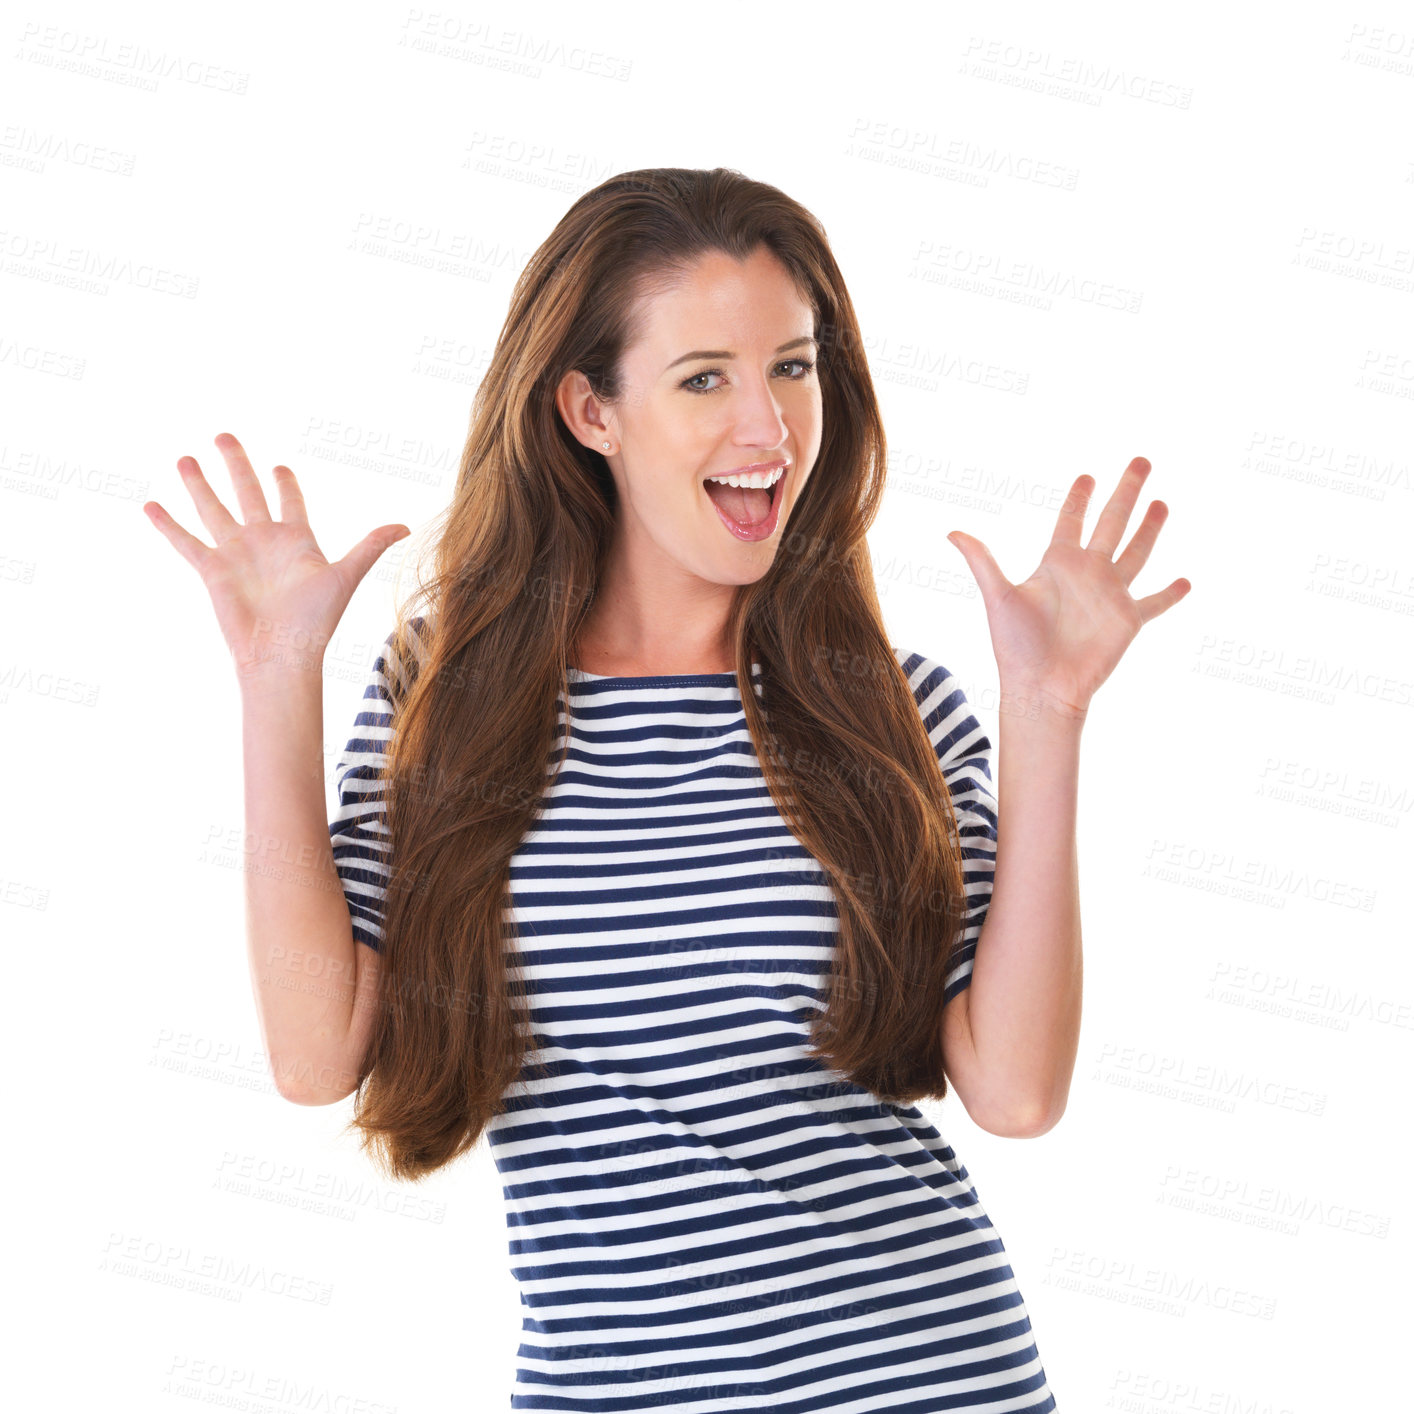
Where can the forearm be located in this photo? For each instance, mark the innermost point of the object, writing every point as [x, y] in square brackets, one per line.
[1025, 994]
[298, 933]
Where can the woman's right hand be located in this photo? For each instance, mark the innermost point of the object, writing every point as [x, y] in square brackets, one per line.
[277, 599]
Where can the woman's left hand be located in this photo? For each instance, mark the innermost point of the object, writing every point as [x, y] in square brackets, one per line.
[1059, 635]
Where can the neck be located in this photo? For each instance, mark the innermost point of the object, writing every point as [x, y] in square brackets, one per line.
[591, 655]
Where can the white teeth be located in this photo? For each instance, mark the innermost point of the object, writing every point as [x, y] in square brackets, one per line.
[758, 479]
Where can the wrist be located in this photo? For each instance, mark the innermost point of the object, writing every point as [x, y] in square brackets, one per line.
[1032, 702]
[280, 674]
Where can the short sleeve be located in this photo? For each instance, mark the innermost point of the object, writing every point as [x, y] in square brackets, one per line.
[965, 755]
[357, 830]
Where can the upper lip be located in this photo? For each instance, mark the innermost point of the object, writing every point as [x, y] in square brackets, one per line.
[754, 466]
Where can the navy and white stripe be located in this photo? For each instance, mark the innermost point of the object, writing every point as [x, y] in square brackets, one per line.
[702, 1216]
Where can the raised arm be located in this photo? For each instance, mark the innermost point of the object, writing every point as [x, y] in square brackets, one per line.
[278, 602]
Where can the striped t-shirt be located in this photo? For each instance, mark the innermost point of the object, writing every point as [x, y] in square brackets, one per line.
[702, 1217]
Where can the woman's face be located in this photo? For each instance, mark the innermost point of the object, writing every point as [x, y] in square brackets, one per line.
[722, 377]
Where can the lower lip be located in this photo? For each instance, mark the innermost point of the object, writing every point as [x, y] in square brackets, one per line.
[767, 527]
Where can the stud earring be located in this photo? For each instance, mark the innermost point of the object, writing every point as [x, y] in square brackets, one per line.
[606, 446]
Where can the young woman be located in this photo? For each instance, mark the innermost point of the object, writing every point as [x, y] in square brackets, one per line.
[655, 862]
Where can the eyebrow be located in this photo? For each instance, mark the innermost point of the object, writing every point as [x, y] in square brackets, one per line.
[726, 353]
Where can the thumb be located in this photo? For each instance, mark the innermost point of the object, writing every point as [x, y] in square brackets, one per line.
[365, 554]
[985, 571]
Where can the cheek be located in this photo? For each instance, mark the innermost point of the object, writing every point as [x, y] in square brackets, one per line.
[661, 500]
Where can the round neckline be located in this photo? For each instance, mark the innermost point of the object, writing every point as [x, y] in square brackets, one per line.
[660, 679]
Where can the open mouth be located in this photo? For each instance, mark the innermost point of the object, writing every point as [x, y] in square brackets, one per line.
[750, 513]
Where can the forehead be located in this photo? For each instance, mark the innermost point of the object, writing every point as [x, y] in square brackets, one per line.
[722, 303]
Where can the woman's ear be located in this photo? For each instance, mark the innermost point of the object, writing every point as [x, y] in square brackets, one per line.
[581, 411]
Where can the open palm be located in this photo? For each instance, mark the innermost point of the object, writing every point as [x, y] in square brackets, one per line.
[1059, 634]
[277, 599]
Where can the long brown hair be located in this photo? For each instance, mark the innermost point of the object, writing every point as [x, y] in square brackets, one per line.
[837, 731]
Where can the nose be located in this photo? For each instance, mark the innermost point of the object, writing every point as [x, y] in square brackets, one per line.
[759, 423]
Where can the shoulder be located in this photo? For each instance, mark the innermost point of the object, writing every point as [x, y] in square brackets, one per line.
[934, 685]
[948, 717]
[400, 655]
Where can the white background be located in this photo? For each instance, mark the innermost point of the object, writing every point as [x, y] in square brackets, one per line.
[1071, 239]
